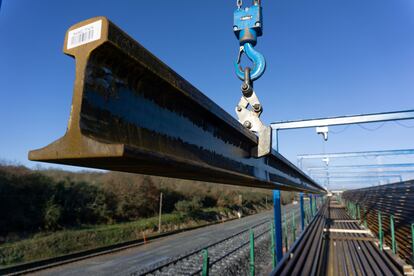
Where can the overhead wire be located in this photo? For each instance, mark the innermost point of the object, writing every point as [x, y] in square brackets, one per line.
[340, 131]
[371, 129]
[403, 125]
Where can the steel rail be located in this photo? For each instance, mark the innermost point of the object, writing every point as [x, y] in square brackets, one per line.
[291, 257]
[131, 112]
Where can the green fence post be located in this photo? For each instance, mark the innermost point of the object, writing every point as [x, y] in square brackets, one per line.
[293, 226]
[359, 213]
[272, 245]
[206, 263]
[380, 230]
[286, 229]
[365, 218]
[251, 252]
[354, 210]
[306, 214]
[394, 248]
[412, 240]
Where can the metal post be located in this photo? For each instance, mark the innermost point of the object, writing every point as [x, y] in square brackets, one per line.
[206, 263]
[272, 245]
[365, 218]
[307, 214]
[285, 226]
[359, 212]
[293, 226]
[310, 205]
[276, 139]
[412, 240]
[393, 243]
[278, 224]
[251, 252]
[380, 230]
[302, 212]
[159, 216]
[355, 211]
[352, 210]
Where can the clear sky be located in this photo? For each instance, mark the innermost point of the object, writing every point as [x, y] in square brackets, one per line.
[324, 57]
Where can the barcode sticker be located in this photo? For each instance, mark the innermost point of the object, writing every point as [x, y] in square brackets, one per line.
[84, 34]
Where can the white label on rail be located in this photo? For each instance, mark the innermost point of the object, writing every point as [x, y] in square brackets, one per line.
[84, 34]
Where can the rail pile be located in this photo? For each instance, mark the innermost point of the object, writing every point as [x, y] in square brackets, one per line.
[388, 209]
[304, 257]
[351, 249]
[336, 244]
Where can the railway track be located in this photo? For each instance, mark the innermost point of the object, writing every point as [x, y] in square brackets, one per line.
[222, 254]
[40, 265]
[69, 263]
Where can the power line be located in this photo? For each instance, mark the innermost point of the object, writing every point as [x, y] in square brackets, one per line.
[371, 129]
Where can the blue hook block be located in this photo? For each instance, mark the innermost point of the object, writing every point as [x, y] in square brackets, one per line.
[247, 20]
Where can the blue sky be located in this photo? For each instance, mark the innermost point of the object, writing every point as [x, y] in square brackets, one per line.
[324, 58]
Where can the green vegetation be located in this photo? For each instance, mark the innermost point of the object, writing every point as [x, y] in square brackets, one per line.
[47, 245]
[47, 213]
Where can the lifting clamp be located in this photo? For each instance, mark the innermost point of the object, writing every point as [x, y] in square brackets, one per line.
[247, 27]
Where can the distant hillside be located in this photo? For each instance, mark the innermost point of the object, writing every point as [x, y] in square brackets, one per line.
[37, 200]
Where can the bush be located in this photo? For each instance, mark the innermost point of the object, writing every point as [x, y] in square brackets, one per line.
[52, 216]
[189, 206]
[23, 199]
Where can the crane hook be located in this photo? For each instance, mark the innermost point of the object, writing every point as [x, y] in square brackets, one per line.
[259, 62]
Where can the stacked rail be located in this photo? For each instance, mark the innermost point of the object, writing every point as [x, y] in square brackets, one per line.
[350, 249]
[377, 206]
[304, 257]
[336, 244]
